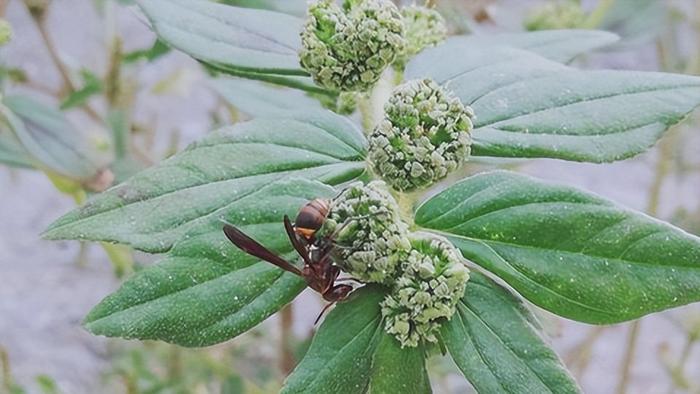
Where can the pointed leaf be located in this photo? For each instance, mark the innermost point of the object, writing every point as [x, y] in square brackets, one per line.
[11, 151]
[158, 206]
[205, 290]
[52, 141]
[570, 252]
[398, 370]
[495, 341]
[528, 106]
[597, 116]
[340, 357]
[558, 45]
[261, 99]
[260, 41]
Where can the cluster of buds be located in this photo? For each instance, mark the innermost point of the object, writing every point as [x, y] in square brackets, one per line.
[424, 27]
[566, 14]
[425, 135]
[426, 293]
[369, 235]
[373, 245]
[347, 49]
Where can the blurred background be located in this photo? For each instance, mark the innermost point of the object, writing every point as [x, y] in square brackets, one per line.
[101, 99]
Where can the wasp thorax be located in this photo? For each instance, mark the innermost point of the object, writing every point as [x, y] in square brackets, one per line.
[368, 232]
[431, 282]
[424, 136]
[423, 27]
[347, 49]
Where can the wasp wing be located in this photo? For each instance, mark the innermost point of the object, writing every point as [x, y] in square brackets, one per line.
[253, 248]
[294, 239]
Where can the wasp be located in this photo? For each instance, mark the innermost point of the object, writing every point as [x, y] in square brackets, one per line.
[319, 270]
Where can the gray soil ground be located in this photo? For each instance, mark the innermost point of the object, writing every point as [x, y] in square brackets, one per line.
[44, 294]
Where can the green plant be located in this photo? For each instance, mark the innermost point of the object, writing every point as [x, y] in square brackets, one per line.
[568, 251]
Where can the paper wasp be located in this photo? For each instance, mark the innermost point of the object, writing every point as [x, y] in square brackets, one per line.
[319, 270]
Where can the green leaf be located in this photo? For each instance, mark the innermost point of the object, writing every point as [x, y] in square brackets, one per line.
[158, 206]
[596, 116]
[567, 251]
[528, 106]
[51, 140]
[340, 357]
[245, 39]
[558, 45]
[260, 99]
[495, 341]
[11, 151]
[205, 290]
[92, 85]
[293, 7]
[398, 370]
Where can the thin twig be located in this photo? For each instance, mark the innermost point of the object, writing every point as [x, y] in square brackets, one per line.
[286, 335]
[40, 21]
[579, 357]
[679, 369]
[628, 357]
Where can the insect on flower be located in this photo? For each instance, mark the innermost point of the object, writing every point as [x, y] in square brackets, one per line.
[319, 271]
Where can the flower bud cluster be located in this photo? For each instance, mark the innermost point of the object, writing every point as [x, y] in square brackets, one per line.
[431, 283]
[424, 27]
[425, 135]
[372, 244]
[368, 232]
[348, 48]
[566, 14]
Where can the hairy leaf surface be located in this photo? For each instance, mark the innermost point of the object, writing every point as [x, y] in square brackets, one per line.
[205, 290]
[158, 206]
[495, 341]
[568, 251]
[398, 370]
[247, 39]
[340, 357]
[529, 106]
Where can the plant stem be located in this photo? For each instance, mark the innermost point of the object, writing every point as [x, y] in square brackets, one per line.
[40, 21]
[287, 361]
[406, 202]
[678, 371]
[663, 167]
[580, 356]
[6, 374]
[628, 357]
[365, 107]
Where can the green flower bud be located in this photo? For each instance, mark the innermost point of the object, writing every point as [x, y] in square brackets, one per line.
[424, 136]
[424, 27]
[422, 298]
[365, 223]
[566, 14]
[5, 32]
[347, 49]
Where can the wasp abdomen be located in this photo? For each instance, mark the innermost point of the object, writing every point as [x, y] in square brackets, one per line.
[311, 217]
